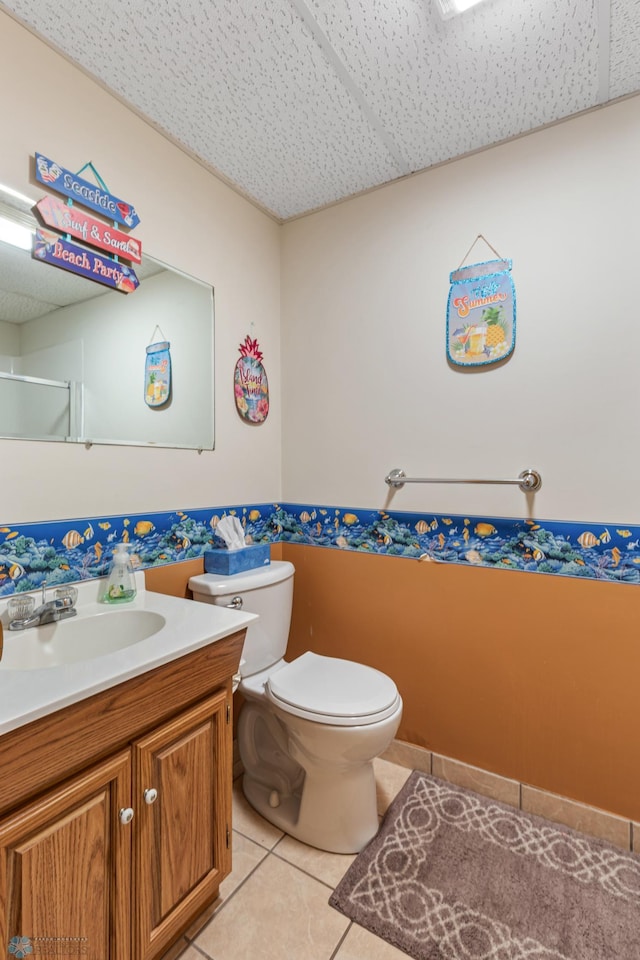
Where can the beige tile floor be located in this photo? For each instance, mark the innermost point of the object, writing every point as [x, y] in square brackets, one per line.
[274, 905]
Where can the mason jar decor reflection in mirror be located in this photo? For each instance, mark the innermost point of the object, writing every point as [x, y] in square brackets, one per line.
[157, 371]
[251, 386]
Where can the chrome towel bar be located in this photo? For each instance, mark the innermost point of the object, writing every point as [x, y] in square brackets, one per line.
[529, 480]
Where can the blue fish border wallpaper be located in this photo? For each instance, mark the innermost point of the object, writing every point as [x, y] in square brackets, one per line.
[64, 551]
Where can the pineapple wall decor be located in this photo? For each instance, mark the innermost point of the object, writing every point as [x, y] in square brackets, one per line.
[251, 387]
[481, 313]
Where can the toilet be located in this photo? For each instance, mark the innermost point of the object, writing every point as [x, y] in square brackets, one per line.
[310, 728]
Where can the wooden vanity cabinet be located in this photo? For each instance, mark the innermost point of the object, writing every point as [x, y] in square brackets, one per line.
[120, 857]
[182, 790]
[65, 867]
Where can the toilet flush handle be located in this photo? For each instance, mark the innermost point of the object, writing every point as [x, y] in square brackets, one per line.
[236, 603]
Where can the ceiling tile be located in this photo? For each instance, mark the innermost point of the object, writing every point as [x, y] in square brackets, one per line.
[625, 44]
[442, 88]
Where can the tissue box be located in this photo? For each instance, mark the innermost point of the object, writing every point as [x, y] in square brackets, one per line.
[228, 562]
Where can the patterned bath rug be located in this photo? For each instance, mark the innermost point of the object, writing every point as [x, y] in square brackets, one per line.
[452, 875]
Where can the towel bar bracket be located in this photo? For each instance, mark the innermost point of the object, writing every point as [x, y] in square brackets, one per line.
[529, 480]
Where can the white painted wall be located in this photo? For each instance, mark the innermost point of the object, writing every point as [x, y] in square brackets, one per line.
[366, 383]
[189, 219]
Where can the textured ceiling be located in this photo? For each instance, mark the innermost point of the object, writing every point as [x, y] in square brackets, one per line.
[300, 103]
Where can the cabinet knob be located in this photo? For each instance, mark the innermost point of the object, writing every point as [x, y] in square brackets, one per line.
[150, 795]
[126, 815]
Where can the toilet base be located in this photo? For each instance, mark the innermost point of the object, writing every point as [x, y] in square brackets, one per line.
[338, 815]
[314, 781]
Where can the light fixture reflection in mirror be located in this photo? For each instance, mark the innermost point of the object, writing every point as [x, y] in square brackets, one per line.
[15, 234]
[72, 352]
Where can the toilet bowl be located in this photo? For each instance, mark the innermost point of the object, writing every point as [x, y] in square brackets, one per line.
[309, 729]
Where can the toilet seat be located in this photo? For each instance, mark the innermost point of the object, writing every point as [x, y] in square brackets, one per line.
[333, 691]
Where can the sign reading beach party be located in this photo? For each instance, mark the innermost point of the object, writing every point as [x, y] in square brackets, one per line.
[481, 314]
[67, 219]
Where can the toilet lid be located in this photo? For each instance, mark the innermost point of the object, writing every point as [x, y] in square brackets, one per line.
[337, 691]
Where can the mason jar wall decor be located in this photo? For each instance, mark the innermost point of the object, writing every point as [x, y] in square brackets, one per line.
[481, 313]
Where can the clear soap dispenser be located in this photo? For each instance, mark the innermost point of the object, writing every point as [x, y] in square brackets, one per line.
[121, 584]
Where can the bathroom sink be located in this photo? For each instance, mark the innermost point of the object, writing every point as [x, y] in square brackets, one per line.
[48, 667]
[78, 639]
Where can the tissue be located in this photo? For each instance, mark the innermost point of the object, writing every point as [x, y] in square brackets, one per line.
[230, 529]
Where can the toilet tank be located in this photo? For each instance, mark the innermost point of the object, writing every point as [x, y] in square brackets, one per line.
[267, 591]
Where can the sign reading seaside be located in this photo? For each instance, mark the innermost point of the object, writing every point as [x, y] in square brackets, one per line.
[50, 248]
[68, 219]
[90, 195]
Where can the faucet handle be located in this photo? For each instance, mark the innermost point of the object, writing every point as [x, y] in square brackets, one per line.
[21, 606]
[67, 594]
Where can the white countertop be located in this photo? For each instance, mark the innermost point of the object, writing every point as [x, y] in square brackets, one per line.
[26, 695]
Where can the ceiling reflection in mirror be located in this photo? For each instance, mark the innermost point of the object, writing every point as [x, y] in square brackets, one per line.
[72, 352]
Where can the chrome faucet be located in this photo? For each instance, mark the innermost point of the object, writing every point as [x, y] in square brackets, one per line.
[49, 611]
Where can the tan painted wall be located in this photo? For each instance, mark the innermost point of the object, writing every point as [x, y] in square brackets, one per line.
[533, 677]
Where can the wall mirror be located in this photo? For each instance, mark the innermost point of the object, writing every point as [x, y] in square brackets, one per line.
[72, 352]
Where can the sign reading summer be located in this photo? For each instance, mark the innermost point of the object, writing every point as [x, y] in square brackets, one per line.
[481, 314]
[50, 248]
[69, 219]
[89, 194]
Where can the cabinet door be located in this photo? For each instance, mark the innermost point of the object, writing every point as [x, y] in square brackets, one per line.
[182, 796]
[65, 868]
